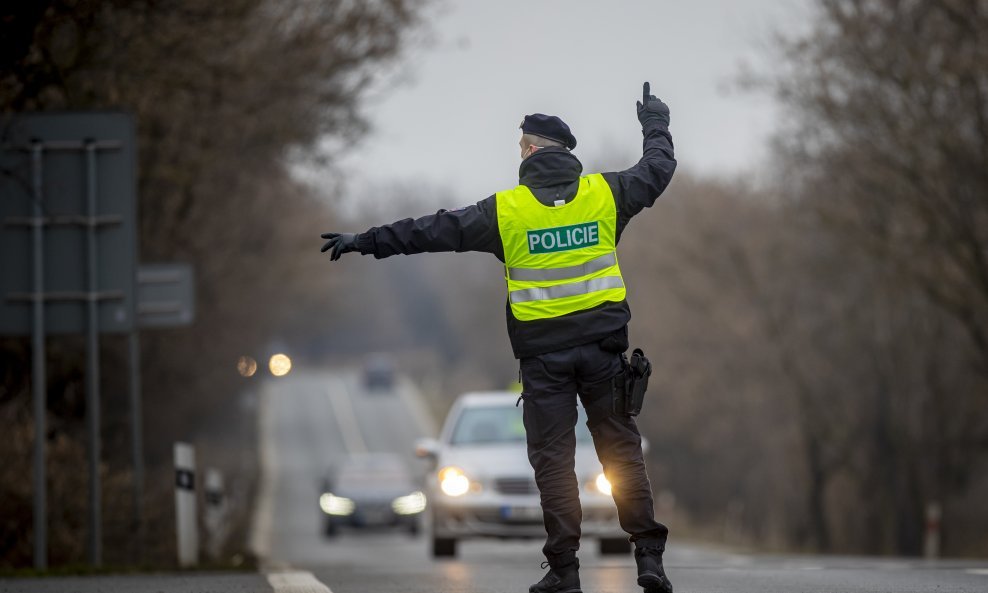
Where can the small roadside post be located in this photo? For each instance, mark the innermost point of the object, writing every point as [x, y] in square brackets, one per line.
[215, 516]
[186, 530]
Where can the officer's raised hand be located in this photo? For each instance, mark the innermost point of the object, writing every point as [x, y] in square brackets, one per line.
[340, 243]
[651, 108]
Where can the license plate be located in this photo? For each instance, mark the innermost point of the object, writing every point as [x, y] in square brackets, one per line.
[509, 513]
[374, 516]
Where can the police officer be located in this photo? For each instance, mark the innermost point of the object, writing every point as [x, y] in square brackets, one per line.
[557, 234]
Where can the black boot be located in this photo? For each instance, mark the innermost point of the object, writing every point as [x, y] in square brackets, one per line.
[561, 579]
[651, 575]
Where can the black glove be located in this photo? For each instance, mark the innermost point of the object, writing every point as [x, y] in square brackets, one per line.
[651, 108]
[340, 243]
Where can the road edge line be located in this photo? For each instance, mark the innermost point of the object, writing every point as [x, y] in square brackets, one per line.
[260, 534]
[296, 582]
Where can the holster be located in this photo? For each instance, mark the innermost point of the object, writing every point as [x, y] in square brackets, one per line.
[631, 383]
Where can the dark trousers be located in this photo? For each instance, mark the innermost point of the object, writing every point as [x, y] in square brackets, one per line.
[551, 383]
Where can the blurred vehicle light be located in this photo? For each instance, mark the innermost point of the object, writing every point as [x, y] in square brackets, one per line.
[280, 364]
[409, 505]
[336, 505]
[246, 366]
[453, 482]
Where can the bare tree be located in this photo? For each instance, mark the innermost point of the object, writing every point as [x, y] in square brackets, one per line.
[890, 130]
[225, 95]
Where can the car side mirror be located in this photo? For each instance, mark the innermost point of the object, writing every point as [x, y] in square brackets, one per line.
[427, 449]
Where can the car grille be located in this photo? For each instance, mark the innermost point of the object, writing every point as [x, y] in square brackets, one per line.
[515, 486]
[374, 507]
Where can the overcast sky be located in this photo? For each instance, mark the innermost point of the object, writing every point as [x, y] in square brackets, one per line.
[451, 119]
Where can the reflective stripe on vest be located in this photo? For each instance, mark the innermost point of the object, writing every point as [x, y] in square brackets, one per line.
[566, 290]
[560, 259]
[595, 265]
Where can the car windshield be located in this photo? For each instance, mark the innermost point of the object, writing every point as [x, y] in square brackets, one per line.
[372, 470]
[484, 425]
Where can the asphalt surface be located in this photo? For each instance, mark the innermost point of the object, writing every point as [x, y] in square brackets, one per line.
[310, 423]
[200, 583]
[310, 420]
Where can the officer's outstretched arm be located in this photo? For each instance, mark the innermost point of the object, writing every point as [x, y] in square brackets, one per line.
[473, 228]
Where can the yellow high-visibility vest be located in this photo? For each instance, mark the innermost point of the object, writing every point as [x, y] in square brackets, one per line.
[560, 259]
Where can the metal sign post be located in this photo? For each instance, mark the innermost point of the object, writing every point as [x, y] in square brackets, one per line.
[165, 298]
[80, 213]
[92, 364]
[137, 439]
[81, 276]
[38, 387]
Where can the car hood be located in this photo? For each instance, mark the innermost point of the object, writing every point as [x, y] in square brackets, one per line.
[373, 493]
[488, 461]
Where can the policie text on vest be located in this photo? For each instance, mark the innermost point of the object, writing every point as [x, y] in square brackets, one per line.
[563, 238]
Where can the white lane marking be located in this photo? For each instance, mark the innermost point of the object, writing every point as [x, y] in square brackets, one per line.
[346, 419]
[296, 582]
[260, 538]
[979, 571]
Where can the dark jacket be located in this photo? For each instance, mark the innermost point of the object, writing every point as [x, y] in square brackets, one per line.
[551, 174]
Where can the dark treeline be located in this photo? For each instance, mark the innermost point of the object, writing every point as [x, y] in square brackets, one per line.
[822, 341]
[226, 95]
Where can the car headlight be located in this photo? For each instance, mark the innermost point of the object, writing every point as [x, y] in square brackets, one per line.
[336, 505]
[453, 482]
[409, 505]
[602, 484]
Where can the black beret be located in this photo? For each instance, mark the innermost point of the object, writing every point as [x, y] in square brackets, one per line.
[549, 126]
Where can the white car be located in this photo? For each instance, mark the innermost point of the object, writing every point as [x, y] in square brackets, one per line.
[482, 484]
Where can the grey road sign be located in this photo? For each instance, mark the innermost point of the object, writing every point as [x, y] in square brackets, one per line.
[55, 164]
[67, 261]
[165, 295]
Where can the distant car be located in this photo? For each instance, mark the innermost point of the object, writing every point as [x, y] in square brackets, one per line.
[379, 373]
[483, 485]
[372, 490]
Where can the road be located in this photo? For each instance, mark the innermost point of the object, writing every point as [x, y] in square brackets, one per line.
[309, 422]
[311, 419]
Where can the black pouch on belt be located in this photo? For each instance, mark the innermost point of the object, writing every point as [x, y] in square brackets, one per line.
[630, 385]
[641, 370]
